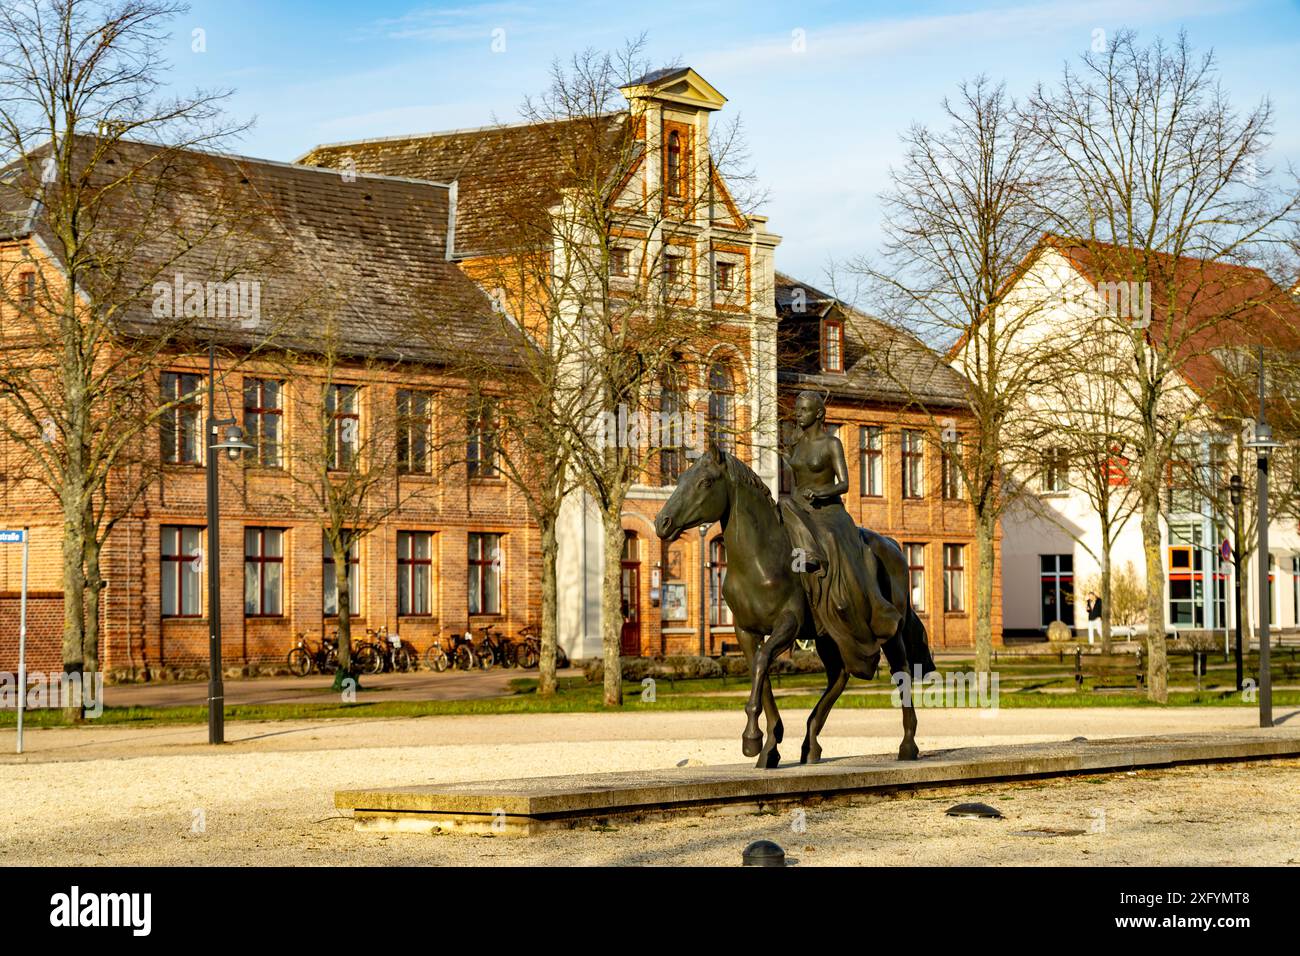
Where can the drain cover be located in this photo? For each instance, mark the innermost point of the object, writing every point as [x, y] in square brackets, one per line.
[981, 810]
[763, 853]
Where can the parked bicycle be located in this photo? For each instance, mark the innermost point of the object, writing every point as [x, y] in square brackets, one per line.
[382, 652]
[528, 653]
[493, 649]
[436, 658]
[306, 657]
[461, 654]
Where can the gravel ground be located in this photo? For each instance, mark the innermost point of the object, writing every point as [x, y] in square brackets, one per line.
[161, 796]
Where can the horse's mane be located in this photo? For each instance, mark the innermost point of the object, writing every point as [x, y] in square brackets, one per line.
[741, 473]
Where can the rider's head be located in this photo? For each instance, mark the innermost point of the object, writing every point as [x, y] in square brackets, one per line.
[809, 408]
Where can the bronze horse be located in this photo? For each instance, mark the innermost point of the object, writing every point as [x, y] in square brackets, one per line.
[769, 605]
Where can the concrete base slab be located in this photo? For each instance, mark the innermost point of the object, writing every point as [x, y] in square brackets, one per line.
[525, 806]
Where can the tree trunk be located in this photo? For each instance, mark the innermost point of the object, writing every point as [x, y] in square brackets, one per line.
[74, 591]
[1157, 664]
[546, 681]
[345, 616]
[94, 589]
[985, 529]
[1105, 591]
[611, 606]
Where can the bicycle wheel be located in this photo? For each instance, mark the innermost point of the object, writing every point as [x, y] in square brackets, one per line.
[509, 654]
[299, 662]
[464, 657]
[368, 659]
[525, 656]
[486, 657]
[406, 659]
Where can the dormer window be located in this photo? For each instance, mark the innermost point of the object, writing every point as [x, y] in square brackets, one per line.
[675, 165]
[832, 346]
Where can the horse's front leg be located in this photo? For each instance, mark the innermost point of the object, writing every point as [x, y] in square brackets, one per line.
[783, 634]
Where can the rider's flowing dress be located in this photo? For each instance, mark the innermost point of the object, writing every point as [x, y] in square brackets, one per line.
[841, 571]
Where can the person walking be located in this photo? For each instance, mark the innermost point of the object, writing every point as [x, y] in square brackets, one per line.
[1094, 615]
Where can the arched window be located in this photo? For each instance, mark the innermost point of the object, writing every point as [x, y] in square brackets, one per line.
[674, 165]
[719, 613]
[722, 406]
[672, 415]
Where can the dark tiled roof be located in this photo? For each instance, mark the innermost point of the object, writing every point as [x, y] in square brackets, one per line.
[656, 76]
[495, 168]
[883, 364]
[371, 252]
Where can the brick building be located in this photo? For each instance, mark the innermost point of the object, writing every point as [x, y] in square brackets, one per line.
[404, 228]
[899, 410]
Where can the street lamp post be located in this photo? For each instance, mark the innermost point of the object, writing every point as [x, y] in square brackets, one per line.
[1238, 584]
[233, 445]
[1263, 444]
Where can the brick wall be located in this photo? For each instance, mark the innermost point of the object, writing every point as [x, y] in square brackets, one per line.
[44, 630]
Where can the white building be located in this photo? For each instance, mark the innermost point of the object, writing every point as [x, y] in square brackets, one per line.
[1052, 537]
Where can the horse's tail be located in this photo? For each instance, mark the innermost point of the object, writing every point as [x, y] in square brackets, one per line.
[916, 642]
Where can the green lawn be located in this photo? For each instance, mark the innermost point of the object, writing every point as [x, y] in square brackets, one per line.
[1025, 685]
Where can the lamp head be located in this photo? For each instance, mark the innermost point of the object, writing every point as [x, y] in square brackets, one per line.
[1263, 442]
[233, 444]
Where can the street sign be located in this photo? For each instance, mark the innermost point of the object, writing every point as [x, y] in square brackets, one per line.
[20, 537]
[1225, 550]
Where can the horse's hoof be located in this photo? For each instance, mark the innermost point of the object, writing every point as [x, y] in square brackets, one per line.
[810, 755]
[750, 746]
[768, 761]
[907, 750]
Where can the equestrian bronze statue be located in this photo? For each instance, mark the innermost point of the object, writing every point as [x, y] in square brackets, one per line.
[803, 570]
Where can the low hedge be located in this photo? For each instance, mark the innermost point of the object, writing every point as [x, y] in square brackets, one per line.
[685, 667]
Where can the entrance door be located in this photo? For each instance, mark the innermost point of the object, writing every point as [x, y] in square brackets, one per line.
[631, 596]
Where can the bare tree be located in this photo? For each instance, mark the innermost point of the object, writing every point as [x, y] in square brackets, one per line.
[1163, 182]
[613, 296]
[962, 217]
[342, 458]
[1087, 440]
[104, 199]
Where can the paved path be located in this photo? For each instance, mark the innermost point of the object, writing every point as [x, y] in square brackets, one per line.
[693, 733]
[161, 795]
[317, 688]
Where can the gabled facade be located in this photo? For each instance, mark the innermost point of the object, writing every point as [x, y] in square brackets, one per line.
[1052, 540]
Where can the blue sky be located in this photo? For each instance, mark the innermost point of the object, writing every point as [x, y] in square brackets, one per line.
[821, 125]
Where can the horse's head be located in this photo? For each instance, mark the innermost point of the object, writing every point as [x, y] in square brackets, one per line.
[700, 497]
